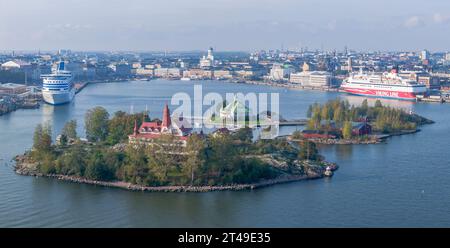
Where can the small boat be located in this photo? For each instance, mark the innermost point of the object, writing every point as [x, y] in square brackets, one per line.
[328, 172]
[185, 79]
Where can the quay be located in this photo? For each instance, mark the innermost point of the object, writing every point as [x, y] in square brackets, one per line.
[80, 86]
[434, 98]
[300, 122]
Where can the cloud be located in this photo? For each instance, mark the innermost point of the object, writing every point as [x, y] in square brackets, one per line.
[69, 26]
[332, 25]
[413, 21]
[439, 18]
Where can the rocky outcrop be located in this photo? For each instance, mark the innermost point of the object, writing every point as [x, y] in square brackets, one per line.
[312, 171]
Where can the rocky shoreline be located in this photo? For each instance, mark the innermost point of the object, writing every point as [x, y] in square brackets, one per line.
[29, 169]
[375, 139]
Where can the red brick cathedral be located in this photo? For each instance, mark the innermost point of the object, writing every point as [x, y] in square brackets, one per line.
[151, 130]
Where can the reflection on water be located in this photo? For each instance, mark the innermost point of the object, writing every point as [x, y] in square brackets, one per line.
[357, 100]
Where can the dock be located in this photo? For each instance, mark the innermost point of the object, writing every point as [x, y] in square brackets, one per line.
[301, 122]
[79, 87]
[433, 99]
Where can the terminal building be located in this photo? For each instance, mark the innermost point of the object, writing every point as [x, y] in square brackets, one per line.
[311, 78]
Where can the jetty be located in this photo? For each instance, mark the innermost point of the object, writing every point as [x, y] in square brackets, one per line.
[300, 122]
[80, 86]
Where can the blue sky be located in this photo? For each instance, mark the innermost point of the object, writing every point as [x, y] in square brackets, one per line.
[244, 25]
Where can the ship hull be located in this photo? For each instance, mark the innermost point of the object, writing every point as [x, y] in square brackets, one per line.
[58, 98]
[381, 93]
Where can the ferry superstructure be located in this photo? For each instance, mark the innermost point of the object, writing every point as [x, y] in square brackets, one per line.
[385, 85]
[58, 88]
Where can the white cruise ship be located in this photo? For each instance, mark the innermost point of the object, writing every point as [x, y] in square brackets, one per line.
[58, 88]
[386, 85]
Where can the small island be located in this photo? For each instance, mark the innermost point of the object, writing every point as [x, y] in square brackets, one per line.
[338, 122]
[133, 152]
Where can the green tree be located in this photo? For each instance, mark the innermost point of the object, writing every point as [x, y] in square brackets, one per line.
[364, 107]
[308, 150]
[347, 130]
[42, 138]
[339, 115]
[97, 169]
[72, 162]
[378, 104]
[122, 125]
[136, 169]
[163, 156]
[195, 157]
[96, 123]
[70, 129]
[309, 111]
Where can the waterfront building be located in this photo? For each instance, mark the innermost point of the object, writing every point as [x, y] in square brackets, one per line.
[361, 128]
[430, 81]
[312, 78]
[280, 72]
[196, 73]
[222, 74]
[136, 65]
[144, 72]
[149, 131]
[168, 72]
[123, 69]
[15, 65]
[13, 89]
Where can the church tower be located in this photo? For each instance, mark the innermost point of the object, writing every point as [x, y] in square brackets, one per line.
[166, 122]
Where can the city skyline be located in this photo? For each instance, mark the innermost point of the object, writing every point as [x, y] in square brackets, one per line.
[226, 25]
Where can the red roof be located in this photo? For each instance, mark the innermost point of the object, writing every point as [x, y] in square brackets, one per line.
[150, 125]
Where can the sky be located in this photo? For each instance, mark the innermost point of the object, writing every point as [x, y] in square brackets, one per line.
[226, 25]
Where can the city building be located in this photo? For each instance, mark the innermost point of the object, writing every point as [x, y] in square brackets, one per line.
[207, 61]
[432, 82]
[198, 74]
[14, 89]
[168, 72]
[15, 65]
[143, 72]
[123, 69]
[312, 78]
[361, 128]
[424, 55]
[280, 72]
[222, 74]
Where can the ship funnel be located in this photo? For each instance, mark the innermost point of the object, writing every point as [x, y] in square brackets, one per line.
[61, 66]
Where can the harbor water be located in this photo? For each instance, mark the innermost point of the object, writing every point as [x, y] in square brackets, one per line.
[403, 182]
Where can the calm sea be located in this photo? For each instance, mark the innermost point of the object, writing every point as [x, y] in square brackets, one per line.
[401, 183]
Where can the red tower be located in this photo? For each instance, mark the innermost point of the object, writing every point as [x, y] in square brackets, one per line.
[166, 122]
[135, 128]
